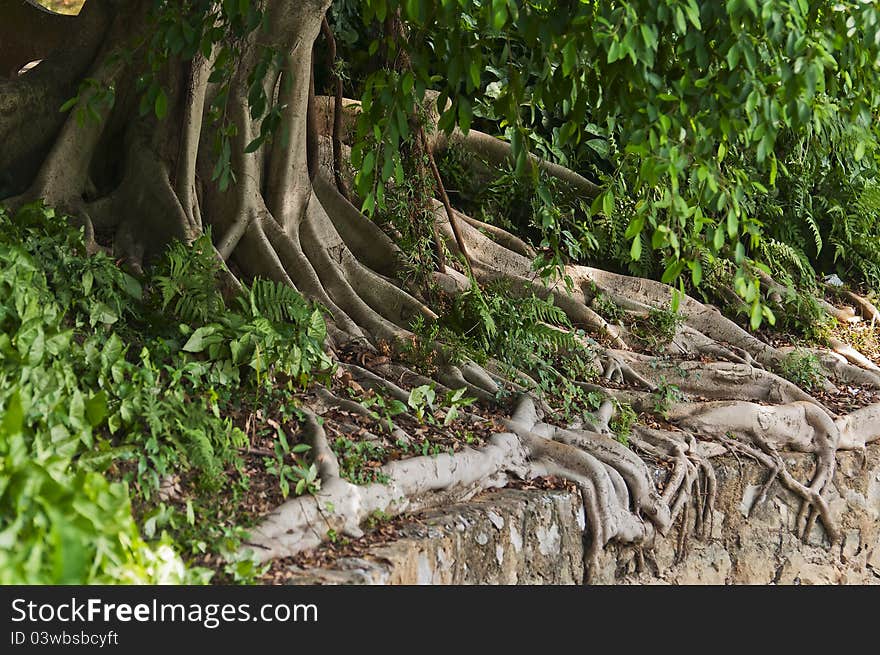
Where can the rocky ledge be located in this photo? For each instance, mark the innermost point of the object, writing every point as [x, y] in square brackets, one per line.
[514, 536]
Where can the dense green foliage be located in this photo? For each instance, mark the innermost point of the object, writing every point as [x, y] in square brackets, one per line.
[101, 375]
[62, 521]
[735, 130]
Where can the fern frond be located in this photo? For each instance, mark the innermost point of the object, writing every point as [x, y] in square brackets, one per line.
[814, 230]
[274, 301]
[187, 280]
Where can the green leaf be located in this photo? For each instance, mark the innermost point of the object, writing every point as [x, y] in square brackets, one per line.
[680, 22]
[202, 338]
[161, 104]
[648, 35]
[406, 84]
[282, 440]
[718, 239]
[317, 328]
[112, 351]
[859, 152]
[132, 286]
[369, 164]
[634, 228]
[101, 313]
[465, 115]
[13, 416]
[733, 56]
[569, 58]
[499, 13]
[677, 295]
[608, 203]
[255, 144]
[396, 407]
[696, 272]
[672, 272]
[70, 104]
[635, 250]
[96, 408]
[732, 224]
[757, 315]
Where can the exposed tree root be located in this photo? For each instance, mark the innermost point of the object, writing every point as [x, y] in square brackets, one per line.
[500, 154]
[799, 426]
[852, 355]
[866, 308]
[720, 380]
[342, 506]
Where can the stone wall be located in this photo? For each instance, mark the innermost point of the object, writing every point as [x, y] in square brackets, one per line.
[535, 537]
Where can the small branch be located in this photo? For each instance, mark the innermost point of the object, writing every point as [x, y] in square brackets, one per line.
[259, 452]
[337, 109]
[444, 198]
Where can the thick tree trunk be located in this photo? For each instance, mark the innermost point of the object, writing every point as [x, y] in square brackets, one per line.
[29, 104]
[31, 32]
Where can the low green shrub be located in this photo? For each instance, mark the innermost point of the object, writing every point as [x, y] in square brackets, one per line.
[109, 383]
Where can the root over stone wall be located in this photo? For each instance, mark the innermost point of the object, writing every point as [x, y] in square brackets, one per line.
[514, 536]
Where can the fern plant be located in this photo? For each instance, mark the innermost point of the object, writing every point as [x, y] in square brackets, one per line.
[186, 279]
[276, 302]
[527, 334]
[494, 323]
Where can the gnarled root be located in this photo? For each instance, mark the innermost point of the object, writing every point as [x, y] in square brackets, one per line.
[615, 483]
[720, 380]
[340, 506]
[800, 426]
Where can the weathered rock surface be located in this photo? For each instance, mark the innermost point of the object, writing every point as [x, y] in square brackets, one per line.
[535, 537]
[505, 537]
